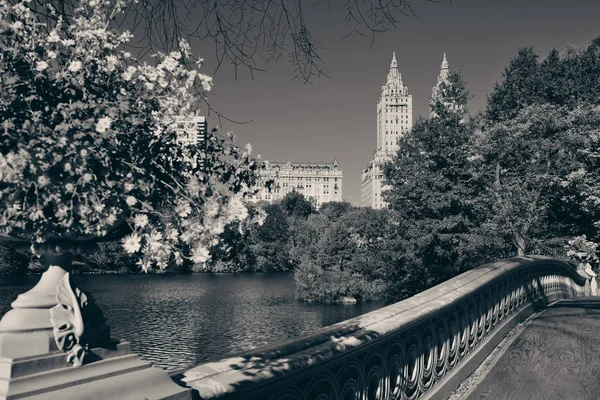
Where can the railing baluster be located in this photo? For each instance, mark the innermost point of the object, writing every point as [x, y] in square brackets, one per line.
[422, 347]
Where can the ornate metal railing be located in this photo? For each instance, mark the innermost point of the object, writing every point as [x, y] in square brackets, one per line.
[422, 347]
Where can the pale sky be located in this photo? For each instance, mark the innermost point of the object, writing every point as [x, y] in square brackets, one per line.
[335, 118]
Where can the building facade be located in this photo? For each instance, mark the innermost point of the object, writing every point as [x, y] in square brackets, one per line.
[191, 130]
[394, 120]
[319, 182]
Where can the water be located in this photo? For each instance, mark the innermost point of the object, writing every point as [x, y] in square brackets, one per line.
[175, 321]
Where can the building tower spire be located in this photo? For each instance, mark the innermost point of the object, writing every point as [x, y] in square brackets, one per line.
[444, 70]
[394, 75]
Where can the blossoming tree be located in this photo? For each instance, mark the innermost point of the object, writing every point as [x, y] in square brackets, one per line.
[89, 141]
[89, 152]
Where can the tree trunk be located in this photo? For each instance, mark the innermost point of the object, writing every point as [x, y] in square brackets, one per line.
[497, 180]
[519, 241]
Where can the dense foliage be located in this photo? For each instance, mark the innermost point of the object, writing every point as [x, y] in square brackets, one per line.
[540, 149]
[12, 262]
[438, 193]
[88, 140]
[522, 177]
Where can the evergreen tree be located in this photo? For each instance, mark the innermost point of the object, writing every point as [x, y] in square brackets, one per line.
[520, 87]
[435, 188]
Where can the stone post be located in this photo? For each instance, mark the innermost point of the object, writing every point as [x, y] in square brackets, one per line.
[33, 359]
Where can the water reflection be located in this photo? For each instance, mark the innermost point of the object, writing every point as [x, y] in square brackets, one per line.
[175, 321]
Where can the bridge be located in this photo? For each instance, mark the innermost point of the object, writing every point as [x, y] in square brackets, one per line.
[519, 328]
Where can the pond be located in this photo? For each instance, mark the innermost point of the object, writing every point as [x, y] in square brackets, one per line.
[175, 321]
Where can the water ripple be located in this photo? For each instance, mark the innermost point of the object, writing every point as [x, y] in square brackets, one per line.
[175, 321]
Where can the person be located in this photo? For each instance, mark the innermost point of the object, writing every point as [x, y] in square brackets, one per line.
[587, 268]
[593, 284]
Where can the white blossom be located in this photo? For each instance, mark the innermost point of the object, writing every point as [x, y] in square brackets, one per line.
[53, 37]
[41, 66]
[132, 243]
[200, 255]
[75, 66]
[42, 180]
[183, 209]
[169, 63]
[140, 220]
[111, 62]
[128, 74]
[237, 209]
[103, 124]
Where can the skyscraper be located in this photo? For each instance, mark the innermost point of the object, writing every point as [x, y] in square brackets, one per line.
[394, 119]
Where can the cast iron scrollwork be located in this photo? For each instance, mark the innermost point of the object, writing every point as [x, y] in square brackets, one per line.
[411, 361]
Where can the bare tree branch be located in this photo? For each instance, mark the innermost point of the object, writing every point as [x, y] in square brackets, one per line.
[247, 33]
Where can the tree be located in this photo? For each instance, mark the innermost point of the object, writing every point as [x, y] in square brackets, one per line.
[539, 145]
[269, 243]
[539, 167]
[88, 145]
[436, 190]
[348, 257]
[335, 209]
[295, 205]
[520, 87]
[245, 34]
[565, 79]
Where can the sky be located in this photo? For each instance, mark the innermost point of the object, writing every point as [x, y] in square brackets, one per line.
[335, 117]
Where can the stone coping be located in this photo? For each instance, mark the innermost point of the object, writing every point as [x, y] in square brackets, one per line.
[215, 379]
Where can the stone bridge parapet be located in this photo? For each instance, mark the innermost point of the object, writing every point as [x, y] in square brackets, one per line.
[420, 348]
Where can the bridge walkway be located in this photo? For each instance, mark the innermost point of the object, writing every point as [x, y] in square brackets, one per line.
[556, 356]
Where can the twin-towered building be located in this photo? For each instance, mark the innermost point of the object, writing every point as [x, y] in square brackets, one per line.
[321, 182]
[394, 120]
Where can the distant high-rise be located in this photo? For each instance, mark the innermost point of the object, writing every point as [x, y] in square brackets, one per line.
[445, 96]
[319, 182]
[191, 130]
[437, 93]
[394, 119]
